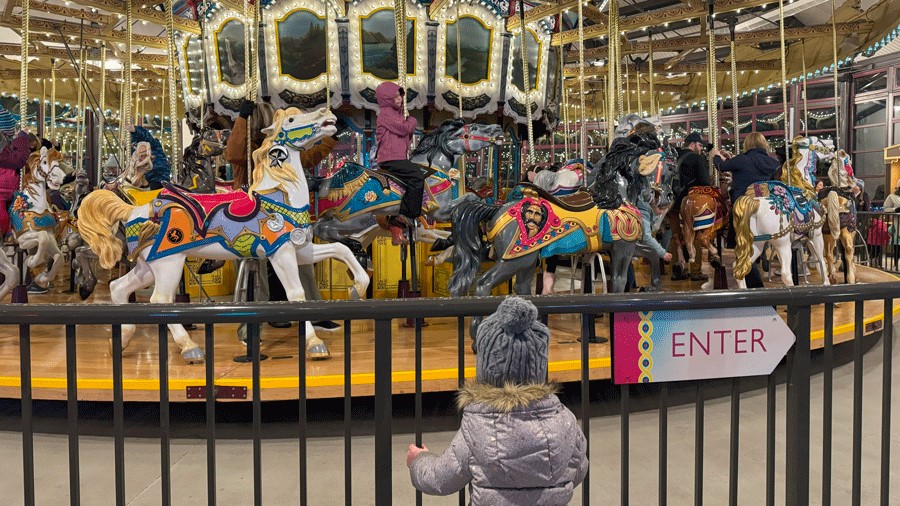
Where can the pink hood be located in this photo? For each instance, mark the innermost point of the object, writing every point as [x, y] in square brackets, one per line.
[385, 93]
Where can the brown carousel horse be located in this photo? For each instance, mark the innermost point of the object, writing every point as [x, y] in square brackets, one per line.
[703, 215]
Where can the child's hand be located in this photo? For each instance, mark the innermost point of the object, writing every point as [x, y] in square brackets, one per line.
[414, 451]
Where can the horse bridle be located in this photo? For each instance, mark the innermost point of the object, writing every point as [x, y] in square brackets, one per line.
[466, 136]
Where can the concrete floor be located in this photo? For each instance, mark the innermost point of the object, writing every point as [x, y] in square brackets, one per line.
[326, 479]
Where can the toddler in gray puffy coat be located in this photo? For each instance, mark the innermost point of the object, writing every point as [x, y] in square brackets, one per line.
[517, 445]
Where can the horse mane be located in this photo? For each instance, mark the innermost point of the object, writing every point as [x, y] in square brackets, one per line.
[285, 174]
[28, 175]
[436, 141]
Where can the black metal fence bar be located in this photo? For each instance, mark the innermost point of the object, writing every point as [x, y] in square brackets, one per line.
[663, 443]
[461, 376]
[586, 332]
[418, 394]
[827, 399]
[72, 416]
[857, 402]
[27, 414]
[302, 412]
[118, 414]
[734, 446]
[164, 429]
[797, 433]
[698, 446]
[348, 416]
[770, 440]
[210, 412]
[383, 418]
[887, 336]
[798, 301]
[880, 235]
[256, 425]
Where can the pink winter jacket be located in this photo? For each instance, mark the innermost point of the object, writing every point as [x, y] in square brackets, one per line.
[392, 133]
[12, 159]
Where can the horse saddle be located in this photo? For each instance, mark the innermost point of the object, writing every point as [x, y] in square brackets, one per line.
[575, 202]
[238, 205]
[786, 198]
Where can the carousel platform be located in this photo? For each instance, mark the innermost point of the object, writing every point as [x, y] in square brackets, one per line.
[325, 379]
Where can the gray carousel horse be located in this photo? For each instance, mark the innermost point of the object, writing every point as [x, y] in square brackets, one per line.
[536, 224]
[352, 198]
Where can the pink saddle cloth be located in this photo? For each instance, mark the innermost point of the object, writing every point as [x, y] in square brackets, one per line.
[239, 202]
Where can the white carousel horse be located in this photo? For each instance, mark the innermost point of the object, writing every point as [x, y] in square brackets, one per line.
[271, 221]
[780, 214]
[139, 165]
[33, 224]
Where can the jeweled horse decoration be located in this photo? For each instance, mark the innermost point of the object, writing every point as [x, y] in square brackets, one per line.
[781, 214]
[270, 221]
[34, 225]
[356, 195]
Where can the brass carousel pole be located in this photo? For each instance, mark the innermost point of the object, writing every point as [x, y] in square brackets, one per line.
[126, 75]
[784, 87]
[803, 75]
[583, 134]
[736, 129]
[526, 81]
[650, 75]
[711, 89]
[101, 119]
[23, 76]
[459, 83]
[837, 101]
[172, 90]
[400, 26]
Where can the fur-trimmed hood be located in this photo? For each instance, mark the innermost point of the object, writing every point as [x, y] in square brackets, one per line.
[505, 399]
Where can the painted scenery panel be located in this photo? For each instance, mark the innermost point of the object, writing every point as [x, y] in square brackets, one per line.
[379, 45]
[301, 45]
[193, 61]
[534, 48]
[230, 49]
[475, 50]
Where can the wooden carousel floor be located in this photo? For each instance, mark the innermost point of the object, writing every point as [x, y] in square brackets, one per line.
[324, 378]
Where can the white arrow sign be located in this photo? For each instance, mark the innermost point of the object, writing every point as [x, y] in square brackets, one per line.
[658, 346]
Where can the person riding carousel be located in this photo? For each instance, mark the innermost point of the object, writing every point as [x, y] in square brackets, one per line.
[393, 133]
[14, 151]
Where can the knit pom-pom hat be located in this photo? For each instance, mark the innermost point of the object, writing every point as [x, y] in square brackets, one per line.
[512, 345]
[7, 123]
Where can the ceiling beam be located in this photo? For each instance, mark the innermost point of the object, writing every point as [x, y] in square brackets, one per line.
[540, 12]
[69, 73]
[745, 38]
[658, 18]
[68, 12]
[37, 25]
[660, 87]
[678, 68]
[143, 14]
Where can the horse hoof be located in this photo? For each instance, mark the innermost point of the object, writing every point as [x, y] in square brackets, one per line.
[319, 352]
[193, 355]
[84, 292]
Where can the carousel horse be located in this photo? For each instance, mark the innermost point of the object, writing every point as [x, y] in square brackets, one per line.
[703, 215]
[197, 172]
[535, 224]
[34, 225]
[270, 221]
[841, 212]
[133, 176]
[780, 214]
[353, 197]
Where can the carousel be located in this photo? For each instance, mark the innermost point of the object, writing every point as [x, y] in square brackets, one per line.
[211, 151]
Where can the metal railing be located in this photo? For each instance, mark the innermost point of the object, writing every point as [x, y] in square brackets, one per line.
[878, 241]
[797, 368]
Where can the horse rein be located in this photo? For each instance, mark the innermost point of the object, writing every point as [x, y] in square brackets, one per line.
[467, 137]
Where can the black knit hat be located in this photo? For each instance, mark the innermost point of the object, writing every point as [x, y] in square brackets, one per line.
[512, 345]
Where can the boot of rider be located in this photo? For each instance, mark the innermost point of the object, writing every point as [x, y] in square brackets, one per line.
[695, 268]
[548, 281]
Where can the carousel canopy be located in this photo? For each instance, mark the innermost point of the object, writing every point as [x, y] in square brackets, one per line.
[351, 47]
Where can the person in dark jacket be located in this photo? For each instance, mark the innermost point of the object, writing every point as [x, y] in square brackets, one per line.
[693, 171]
[754, 165]
[393, 133]
[751, 166]
[692, 166]
[161, 171]
[517, 443]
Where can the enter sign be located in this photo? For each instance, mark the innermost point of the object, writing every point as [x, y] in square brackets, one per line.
[657, 346]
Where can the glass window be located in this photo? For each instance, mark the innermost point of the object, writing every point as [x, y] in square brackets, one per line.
[681, 109]
[700, 126]
[871, 138]
[819, 90]
[896, 134]
[819, 119]
[745, 124]
[871, 82]
[770, 122]
[746, 101]
[869, 164]
[897, 104]
[869, 113]
[772, 96]
[475, 51]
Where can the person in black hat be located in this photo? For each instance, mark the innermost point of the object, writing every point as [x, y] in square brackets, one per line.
[693, 170]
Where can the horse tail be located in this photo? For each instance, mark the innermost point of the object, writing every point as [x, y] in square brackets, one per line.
[100, 212]
[833, 213]
[467, 217]
[744, 208]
